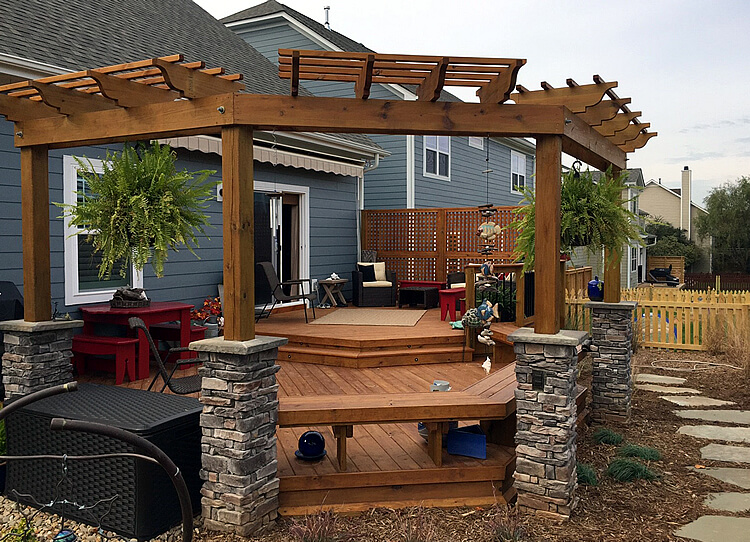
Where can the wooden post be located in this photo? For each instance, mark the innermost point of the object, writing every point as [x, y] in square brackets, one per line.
[35, 230]
[239, 231]
[611, 276]
[547, 238]
[520, 297]
[561, 292]
[441, 262]
[364, 231]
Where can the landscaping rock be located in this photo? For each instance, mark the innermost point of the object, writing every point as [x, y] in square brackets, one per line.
[696, 401]
[665, 389]
[741, 417]
[734, 476]
[724, 452]
[717, 529]
[658, 379]
[717, 432]
[728, 501]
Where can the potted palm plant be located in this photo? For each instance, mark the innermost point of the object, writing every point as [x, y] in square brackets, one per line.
[592, 216]
[140, 207]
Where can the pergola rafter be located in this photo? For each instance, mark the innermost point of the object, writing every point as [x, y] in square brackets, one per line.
[166, 97]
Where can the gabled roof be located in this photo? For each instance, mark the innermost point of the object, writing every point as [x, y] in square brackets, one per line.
[676, 192]
[634, 176]
[341, 41]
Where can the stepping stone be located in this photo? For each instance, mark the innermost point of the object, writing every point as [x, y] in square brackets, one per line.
[717, 432]
[741, 417]
[724, 452]
[665, 389]
[697, 401]
[717, 529]
[730, 475]
[658, 379]
[728, 501]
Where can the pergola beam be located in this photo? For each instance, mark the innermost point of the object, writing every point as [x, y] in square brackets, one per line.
[129, 94]
[603, 111]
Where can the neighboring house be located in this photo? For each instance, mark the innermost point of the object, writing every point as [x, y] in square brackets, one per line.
[633, 263]
[421, 171]
[675, 206]
[306, 185]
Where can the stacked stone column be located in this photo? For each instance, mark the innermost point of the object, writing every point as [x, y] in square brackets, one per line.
[545, 475]
[611, 351]
[238, 424]
[37, 355]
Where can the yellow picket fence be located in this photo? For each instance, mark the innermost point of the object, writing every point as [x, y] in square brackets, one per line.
[668, 318]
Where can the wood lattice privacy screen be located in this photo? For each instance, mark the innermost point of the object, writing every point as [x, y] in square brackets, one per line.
[426, 244]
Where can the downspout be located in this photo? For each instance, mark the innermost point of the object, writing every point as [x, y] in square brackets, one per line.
[410, 173]
[361, 201]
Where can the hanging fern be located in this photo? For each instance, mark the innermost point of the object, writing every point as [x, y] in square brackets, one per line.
[592, 215]
[140, 207]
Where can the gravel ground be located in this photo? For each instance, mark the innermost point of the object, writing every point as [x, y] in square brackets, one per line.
[610, 511]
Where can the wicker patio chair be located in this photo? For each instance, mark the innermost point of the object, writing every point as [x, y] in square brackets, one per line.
[183, 385]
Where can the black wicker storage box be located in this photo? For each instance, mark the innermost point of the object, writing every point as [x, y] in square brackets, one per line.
[147, 504]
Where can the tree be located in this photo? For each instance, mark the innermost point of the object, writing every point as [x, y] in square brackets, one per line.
[671, 241]
[728, 209]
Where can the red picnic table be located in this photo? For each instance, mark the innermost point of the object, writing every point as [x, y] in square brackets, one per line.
[156, 313]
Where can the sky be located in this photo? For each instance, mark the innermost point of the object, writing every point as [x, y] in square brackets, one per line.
[684, 63]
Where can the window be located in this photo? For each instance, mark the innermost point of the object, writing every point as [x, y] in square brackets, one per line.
[82, 283]
[517, 171]
[634, 258]
[437, 156]
[476, 142]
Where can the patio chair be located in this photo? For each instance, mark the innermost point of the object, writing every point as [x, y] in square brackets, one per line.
[378, 290]
[279, 291]
[183, 385]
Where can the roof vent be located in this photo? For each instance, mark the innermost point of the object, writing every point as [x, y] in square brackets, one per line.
[685, 168]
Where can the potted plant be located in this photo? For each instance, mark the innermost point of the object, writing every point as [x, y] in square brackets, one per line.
[209, 315]
[592, 216]
[140, 207]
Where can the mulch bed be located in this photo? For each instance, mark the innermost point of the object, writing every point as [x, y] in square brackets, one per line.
[611, 511]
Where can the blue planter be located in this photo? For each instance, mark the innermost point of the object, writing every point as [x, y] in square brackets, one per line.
[596, 289]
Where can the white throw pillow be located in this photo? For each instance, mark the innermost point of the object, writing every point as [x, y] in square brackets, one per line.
[379, 271]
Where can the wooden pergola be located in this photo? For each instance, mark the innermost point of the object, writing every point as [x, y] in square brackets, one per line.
[167, 97]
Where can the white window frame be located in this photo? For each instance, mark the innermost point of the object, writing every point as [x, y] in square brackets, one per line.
[522, 158]
[437, 150]
[476, 142]
[73, 294]
[634, 260]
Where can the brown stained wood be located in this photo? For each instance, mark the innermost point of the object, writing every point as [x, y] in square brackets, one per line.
[604, 110]
[619, 122]
[69, 102]
[342, 432]
[586, 144]
[364, 78]
[35, 229]
[435, 442]
[18, 109]
[430, 89]
[239, 251]
[547, 238]
[577, 99]
[629, 133]
[611, 276]
[194, 83]
[638, 142]
[129, 94]
[499, 89]
[294, 80]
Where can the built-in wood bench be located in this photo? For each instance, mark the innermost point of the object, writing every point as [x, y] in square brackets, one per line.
[492, 398]
[123, 348]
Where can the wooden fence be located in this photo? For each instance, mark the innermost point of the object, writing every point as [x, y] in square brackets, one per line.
[669, 318]
[427, 244]
[729, 281]
[677, 263]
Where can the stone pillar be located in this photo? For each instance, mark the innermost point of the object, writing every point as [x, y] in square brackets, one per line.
[545, 475]
[238, 446]
[37, 355]
[611, 350]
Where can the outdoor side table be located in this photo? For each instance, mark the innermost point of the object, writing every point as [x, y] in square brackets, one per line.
[147, 503]
[332, 288]
[418, 295]
[448, 301]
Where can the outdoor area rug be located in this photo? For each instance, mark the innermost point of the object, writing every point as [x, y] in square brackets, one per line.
[371, 317]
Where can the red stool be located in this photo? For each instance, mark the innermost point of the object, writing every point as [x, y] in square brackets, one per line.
[448, 301]
[122, 348]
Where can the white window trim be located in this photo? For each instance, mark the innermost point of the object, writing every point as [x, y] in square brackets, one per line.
[476, 142]
[424, 160]
[73, 295]
[525, 172]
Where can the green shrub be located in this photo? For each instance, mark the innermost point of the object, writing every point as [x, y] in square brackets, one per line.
[586, 475]
[22, 532]
[627, 470]
[607, 436]
[642, 452]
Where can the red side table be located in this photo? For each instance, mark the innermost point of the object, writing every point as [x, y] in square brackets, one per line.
[448, 301]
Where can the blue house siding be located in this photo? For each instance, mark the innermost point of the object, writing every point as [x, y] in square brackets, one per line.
[268, 40]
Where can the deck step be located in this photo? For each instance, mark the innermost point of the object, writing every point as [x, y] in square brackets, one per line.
[375, 358]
